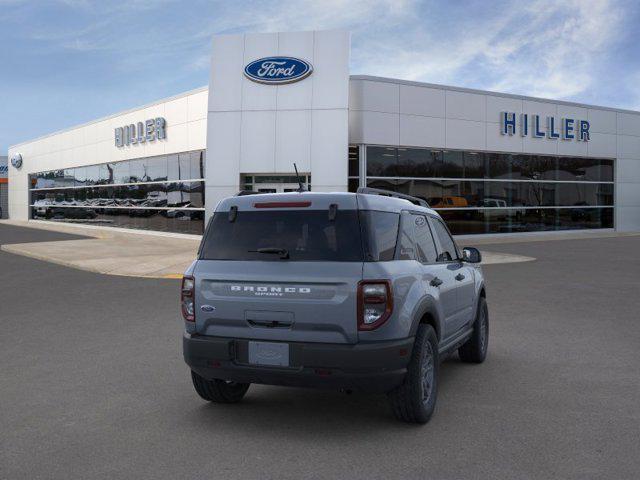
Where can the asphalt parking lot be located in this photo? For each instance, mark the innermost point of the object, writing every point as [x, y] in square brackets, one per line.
[93, 384]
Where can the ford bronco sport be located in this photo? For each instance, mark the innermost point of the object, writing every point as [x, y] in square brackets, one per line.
[355, 291]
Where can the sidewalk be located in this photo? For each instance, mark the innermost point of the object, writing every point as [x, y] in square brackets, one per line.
[112, 251]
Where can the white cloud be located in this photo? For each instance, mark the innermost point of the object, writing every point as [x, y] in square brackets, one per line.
[546, 49]
[558, 48]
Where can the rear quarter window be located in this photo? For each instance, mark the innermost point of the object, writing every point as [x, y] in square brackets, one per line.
[406, 240]
[379, 234]
[424, 239]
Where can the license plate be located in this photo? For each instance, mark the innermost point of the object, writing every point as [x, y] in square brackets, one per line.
[269, 353]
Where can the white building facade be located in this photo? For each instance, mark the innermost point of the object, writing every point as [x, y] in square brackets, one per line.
[489, 162]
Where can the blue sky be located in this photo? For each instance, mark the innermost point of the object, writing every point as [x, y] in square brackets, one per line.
[65, 62]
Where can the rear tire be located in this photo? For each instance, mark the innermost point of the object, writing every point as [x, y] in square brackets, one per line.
[474, 350]
[219, 391]
[415, 400]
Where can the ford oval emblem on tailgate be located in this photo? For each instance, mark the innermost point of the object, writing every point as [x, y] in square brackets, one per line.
[207, 308]
[277, 70]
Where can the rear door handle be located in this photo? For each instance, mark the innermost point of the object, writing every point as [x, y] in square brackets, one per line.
[459, 277]
[436, 282]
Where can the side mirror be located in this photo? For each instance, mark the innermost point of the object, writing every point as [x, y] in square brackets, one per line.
[471, 255]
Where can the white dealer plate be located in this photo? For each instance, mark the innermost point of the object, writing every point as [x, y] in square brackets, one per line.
[268, 353]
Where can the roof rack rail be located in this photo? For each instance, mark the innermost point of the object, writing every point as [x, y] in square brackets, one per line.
[389, 193]
[243, 193]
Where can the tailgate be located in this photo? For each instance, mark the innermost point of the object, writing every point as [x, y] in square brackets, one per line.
[282, 301]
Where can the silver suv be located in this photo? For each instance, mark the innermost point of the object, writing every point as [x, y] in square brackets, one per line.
[355, 291]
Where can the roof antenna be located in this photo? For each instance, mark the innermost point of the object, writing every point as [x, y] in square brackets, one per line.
[300, 185]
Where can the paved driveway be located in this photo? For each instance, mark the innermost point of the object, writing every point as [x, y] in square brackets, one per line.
[92, 384]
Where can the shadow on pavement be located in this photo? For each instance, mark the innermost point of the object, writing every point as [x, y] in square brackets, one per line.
[10, 234]
[270, 410]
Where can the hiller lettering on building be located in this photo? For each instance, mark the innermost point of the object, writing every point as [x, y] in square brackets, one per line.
[147, 131]
[550, 127]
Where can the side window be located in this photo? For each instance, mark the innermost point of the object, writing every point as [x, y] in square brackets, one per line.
[380, 234]
[424, 241]
[447, 251]
[406, 245]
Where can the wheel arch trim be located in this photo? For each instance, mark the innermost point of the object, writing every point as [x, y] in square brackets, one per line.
[428, 310]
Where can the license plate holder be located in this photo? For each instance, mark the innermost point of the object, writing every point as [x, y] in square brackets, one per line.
[269, 353]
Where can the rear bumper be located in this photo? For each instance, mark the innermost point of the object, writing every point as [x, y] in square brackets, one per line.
[369, 367]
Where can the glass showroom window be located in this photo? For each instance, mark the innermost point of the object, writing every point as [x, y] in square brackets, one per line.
[155, 193]
[478, 192]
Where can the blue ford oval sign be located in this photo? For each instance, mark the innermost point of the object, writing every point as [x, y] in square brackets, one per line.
[278, 70]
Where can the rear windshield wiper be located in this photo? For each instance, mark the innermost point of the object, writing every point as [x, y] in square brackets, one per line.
[283, 252]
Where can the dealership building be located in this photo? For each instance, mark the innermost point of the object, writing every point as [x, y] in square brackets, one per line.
[488, 162]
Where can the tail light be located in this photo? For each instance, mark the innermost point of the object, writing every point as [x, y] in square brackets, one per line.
[187, 299]
[375, 303]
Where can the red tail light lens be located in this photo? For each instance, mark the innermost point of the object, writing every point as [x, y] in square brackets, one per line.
[187, 299]
[375, 303]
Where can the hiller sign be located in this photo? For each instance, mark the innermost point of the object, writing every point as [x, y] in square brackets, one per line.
[147, 131]
[531, 125]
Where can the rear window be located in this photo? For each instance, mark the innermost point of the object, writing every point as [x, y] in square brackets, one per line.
[306, 235]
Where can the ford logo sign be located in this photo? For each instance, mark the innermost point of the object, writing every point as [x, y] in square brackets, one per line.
[277, 70]
[16, 160]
